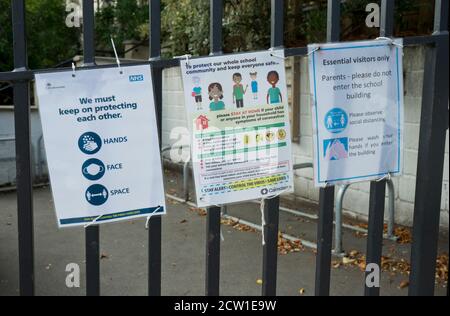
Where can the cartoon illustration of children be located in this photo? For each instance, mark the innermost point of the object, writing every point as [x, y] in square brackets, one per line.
[197, 92]
[274, 94]
[238, 90]
[215, 93]
[254, 85]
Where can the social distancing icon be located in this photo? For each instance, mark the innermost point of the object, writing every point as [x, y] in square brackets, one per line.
[97, 194]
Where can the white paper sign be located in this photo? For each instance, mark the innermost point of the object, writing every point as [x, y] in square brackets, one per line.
[238, 115]
[101, 142]
[357, 112]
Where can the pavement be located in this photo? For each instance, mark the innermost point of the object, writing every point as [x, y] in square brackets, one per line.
[124, 250]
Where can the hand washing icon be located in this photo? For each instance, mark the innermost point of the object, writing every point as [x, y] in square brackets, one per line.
[93, 169]
[90, 143]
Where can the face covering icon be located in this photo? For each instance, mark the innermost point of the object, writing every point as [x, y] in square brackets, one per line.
[93, 169]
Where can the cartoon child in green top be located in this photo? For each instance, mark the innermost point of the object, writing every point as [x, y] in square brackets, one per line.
[215, 92]
[274, 94]
[238, 90]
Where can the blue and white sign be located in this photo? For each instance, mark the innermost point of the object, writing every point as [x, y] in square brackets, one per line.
[336, 120]
[102, 145]
[357, 91]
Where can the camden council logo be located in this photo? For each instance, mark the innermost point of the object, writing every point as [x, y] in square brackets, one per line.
[136, 78]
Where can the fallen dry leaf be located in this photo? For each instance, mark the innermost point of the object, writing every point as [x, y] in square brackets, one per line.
[403, 235]
[400, 266]
[236, 225]
[403, 284]
[336, 264]
[104, 256]
[199, 211]
[287, 246]
[347, 260]
[442, 267]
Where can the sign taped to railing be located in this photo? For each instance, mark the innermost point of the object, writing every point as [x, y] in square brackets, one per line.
[101, 141]
[357, 115]
[238, 116]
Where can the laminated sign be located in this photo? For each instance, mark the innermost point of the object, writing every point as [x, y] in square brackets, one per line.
[357, 91]
[102, 145]
[238, 114]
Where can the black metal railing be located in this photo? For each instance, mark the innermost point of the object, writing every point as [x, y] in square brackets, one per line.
[434, 124]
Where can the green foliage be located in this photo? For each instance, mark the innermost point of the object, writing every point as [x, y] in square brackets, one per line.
[49, 41]
[314, 23]
[246, 25]
[6, 54]
[185, 27]
[122, 20]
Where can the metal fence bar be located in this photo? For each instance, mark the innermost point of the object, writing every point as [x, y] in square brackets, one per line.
[326, 195]
[155, 222]
[215, 26]
[270, 248]
[378, 188]
[92, 233]
[212, 278]
[387, 18]
[433, 126]
[375, 233]
[272, 206]
[23, 154]
[277, 23]
[324, 241]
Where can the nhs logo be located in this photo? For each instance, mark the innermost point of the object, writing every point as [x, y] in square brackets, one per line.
[136, 78]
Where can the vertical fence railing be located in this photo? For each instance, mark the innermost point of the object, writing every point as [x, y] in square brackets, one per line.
[433, 127]
[326, 195]
[155, 222]
[213, 217]
[378, 188]
[92, 234]
[23, 153]
[272, 205]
